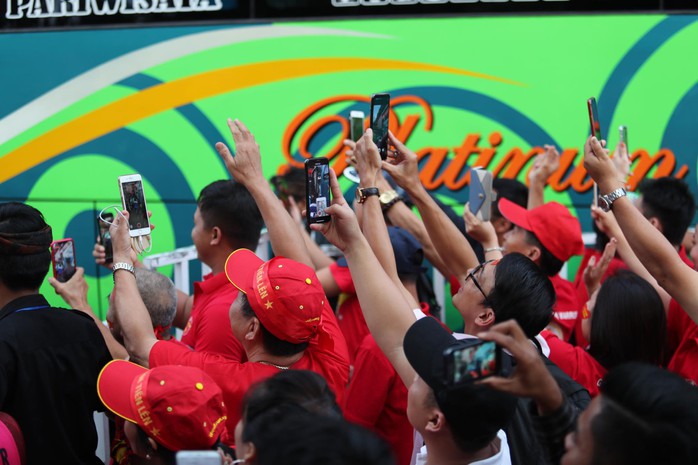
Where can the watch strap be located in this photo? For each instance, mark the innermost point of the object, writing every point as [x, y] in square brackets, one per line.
[366, 192]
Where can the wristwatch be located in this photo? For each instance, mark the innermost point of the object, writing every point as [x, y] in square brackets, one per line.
[388, 199]
[123, 266]
[363, 193]
[606, 201]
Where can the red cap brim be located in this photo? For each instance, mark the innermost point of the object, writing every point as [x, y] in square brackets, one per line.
[114, 387]
[514, 213]
[240, 268]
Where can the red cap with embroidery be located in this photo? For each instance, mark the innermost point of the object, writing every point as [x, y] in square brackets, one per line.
[552, 224]
[286, 296]
[179, 407]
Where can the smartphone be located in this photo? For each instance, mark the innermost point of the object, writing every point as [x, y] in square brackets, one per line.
[596, 132]
[380, 113]
[63, 259]
[198, 457]
[105, 235]
[133, 200]
[356, 120]
[623, 135]
[472, 359]
[317, 189]
[481, 194]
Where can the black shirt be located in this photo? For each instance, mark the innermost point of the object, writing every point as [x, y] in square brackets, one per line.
[49, 362]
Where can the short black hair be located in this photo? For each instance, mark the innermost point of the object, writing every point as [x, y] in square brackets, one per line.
[628, 323]
[510, 189]
[522, 292]
[24, 270]
[671, 201]
[230, 206]
[648, 416]
[272, 344]
[549, 263]
[318, 440]
[300, 388]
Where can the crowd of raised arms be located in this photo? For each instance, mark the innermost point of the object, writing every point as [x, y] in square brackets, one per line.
[342, 358]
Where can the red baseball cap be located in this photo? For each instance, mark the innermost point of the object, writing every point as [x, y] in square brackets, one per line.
[286, 296]
[179, 407]
[552, 224]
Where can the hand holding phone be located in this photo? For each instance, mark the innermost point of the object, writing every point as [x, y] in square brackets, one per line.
[63, 259]
[133, 200]
[380, 117]
[472, 359]
[317, 190]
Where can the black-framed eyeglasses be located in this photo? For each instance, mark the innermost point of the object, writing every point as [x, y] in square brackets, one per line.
[472, 274]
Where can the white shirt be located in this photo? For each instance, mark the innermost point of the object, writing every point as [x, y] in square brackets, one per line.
[503, 457]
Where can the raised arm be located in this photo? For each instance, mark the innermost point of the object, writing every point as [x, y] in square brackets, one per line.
[74, 293]
[133, 317]
[451, 245]
[650, 246]
[373, 225]
[246, 168]
[387, 313]
[545, 165]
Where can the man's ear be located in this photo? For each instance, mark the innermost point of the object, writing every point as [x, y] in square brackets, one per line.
[534, 253]
[436, 422]
[654, 221]
[216, 235]
[253, 329]
[485, 319]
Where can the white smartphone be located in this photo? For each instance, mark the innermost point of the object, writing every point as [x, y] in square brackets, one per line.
[356, 120]
[198, 457]
[133, 201]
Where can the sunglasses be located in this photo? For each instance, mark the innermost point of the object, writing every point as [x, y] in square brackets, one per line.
[477, 270]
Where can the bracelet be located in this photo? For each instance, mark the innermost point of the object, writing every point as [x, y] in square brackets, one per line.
[123, 266]
[494, 249]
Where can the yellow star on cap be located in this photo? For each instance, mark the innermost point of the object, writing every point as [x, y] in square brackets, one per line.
[268, 304]
[155, 431]
[308, 281]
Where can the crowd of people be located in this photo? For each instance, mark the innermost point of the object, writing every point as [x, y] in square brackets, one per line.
[310, 358]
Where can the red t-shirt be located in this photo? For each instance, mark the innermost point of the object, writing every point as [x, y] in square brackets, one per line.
[576, 362]
[377, 400]
[567, 305]
[682, 343]
[349, 316]
[326, 355]
[208, 328]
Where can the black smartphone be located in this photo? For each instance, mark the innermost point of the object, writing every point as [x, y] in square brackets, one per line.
[63, 259]
[380, 117]
[356, 121]
[105, 236]
[596, 132]
[317, 189]
[472, 359]
[133, 200]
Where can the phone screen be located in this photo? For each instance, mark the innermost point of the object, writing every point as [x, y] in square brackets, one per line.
[134, 203]
[357, 125]
[63, 258]
[472, 361]
[317, 183]
[105, 236]
[380, 113]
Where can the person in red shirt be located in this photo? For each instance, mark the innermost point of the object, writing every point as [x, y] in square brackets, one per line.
[625, 310]
[281, 315]
[549, 235]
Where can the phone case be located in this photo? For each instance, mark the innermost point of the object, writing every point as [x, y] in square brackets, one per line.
[317, 190]
[63, 259]
[481, 195]
[135, 203]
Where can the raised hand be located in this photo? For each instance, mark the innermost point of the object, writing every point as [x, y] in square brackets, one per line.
[544, 165]
[73, 291]
[594, 271]
[368, 160]
[481, 231]
[600, 166]
[121, 238]
[343, 229]
[403, 167]
[246, 166]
